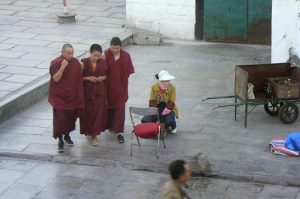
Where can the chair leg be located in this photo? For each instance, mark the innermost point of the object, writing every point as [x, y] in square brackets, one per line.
[138, 140]
[162, 134]
[131, 144]
[158, 138]
[163, 140]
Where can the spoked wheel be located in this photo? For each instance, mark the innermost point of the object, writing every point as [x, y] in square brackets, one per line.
[288, 113]
[272, 107]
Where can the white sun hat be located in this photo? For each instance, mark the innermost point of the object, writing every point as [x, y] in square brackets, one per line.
[165, 76]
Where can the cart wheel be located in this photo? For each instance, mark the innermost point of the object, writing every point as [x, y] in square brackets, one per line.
[288, 113]
[272, 107]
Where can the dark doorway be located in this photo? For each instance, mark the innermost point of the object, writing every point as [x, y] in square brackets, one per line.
[236, 21]
[199, 26]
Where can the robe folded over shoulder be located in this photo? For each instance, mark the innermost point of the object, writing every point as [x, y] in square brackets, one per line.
[118, 74]
[93, 120]
[67, 93]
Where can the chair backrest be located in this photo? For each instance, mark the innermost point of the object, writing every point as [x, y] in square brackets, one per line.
[142, 112]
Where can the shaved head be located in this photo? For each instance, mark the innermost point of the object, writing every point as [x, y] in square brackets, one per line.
[65, 46]
[67, 51]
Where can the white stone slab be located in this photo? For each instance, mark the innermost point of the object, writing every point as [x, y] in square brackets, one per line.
[8, 86]
[31, 42]
[20, 78]
[24, 70]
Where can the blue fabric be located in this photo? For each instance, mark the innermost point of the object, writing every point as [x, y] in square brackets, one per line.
[292, 141]
[169, 119]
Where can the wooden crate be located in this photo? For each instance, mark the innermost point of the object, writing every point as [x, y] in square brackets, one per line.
[284, 87]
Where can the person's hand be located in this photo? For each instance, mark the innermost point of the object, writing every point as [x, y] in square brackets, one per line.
[101, 78]
[166, 111]
[64, 63]
[102, 56]
[93, 79]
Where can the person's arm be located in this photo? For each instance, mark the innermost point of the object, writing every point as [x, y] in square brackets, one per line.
[171, 102]
[101, 78]
[58, 75]
[87, 78]
[82, 67]
[130, 66]
[90, 78]
[152, 100]
[102, 56]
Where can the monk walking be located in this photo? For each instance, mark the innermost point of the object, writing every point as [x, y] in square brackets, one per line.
[65, 94]
[94, 117]
[119, 69]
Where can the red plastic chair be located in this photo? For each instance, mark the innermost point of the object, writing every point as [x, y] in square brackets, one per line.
[145, 130]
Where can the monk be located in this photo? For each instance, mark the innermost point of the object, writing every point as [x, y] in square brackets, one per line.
[94, 117]
[119, 69]
[65, 94]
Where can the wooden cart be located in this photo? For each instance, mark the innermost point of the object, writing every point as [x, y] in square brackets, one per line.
[276, 102]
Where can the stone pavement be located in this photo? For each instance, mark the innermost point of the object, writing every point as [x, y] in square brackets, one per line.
[34, 179]
[30, 38]
[210, 140]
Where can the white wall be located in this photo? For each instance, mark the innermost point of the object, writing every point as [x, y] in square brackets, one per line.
[171, 18]
[285, 29]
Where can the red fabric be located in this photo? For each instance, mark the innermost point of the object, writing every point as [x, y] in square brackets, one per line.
[67, 93]
[64, 121]
[94, 117]
[170, 105]
[118, 74]
[116, 119]
[147, 130]
[162, 90]
[152, 103]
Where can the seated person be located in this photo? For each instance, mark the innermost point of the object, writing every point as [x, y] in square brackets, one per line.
[163, 97]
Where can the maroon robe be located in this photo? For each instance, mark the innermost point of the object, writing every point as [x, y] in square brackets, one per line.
[94, 117]
[65, 96]
[117, 90]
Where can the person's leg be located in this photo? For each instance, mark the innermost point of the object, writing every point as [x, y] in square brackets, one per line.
[94, 140]
[170, 121]
[120, 125]
[68, 139]
[64, 123]
[117, 120]
[72, 117]
[60, 144]
[110, 118]
[94, 119]
[57, 131]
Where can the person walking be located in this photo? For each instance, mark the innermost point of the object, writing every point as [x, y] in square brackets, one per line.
[120, 67]
[65, 95]
[94, 73]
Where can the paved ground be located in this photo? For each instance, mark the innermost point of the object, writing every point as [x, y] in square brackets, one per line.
[211, 140]
[33, 179]
[30, 36]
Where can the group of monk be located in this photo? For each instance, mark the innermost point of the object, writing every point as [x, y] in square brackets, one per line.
[95, 90]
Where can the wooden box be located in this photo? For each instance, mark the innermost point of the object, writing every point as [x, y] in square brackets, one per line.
[284, 87]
